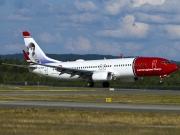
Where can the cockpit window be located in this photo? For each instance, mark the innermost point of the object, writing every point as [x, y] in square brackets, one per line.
[166, 62]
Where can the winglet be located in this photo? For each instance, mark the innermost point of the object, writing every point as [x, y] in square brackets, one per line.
[121, 56]
[26, 34]
[26, 56]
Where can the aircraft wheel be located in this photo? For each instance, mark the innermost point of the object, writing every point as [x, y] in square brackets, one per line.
[106, 84]
[90, 84]
[161, 81]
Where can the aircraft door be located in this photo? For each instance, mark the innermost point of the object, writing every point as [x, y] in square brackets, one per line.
[154, 66]
[46, 70]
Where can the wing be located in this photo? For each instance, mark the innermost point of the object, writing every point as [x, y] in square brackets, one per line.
[72, 72]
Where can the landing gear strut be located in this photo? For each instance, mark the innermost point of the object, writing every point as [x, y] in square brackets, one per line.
[90, 84]
[105, 84]
[161, 80]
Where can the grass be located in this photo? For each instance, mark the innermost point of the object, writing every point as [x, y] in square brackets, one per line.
[79, 122]
[129, 98]
[72, 122]
[12, 88]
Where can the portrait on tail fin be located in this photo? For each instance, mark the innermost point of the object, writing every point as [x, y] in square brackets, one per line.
[31, 53]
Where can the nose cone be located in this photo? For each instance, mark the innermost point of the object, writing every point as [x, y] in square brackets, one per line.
[175, 67]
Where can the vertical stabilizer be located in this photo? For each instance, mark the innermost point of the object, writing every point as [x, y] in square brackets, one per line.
[34, 52]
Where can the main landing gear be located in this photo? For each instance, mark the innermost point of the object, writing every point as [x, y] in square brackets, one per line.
[90, 84]
[104, 84]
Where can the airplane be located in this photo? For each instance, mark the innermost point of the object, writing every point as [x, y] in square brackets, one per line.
[126, 69]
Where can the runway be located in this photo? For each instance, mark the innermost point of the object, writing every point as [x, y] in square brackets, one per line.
[104, 92]
[91, 106]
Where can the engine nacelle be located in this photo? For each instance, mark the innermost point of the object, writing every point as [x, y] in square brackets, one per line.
[102, 76]
[129, 79]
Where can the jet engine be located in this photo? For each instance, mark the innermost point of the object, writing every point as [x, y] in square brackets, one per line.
[102, 76]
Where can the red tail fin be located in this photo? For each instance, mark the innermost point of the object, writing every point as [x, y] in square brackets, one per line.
[26, 34]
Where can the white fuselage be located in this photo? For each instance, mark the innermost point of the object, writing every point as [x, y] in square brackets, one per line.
[121, 68]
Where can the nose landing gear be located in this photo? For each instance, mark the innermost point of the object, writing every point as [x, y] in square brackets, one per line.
[161, 81]
[162, 76]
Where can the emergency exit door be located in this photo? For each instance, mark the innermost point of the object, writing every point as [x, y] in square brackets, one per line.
[46, 70]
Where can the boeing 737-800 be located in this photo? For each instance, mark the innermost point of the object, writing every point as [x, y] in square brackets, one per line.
[126, 69]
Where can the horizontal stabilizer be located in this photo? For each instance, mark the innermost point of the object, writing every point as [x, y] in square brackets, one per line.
[15, 65]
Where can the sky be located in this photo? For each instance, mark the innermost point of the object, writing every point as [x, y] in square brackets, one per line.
[113, 27]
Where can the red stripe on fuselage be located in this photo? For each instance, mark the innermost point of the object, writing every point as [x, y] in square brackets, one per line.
[152, 66]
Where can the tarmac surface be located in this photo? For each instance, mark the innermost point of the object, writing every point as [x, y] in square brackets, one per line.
[104, 92]
[90, 105]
